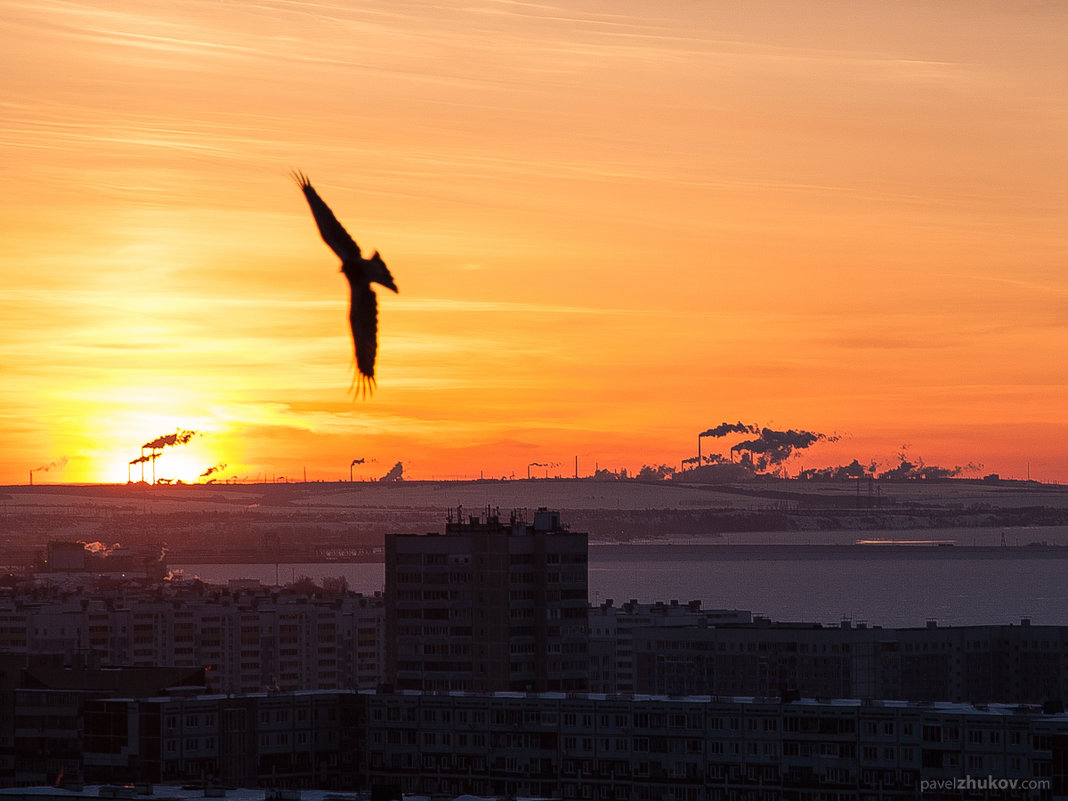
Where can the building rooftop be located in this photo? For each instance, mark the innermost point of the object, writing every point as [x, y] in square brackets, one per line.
[158, 792]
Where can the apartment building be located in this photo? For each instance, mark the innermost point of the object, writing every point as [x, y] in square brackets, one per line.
[248, 639]
[583, 746]
[978, 664]
[301, 739]
[612, 636]
[42, 706]
[252, 638]
[490, 605]
[702, 748]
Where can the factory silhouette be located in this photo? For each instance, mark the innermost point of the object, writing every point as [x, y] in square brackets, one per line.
[761, 451]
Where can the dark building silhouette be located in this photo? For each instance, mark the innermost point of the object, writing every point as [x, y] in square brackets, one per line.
[489, 606]
[974, 664]
[252, 638]
[295, 740]
[43, 706]
[562, 745]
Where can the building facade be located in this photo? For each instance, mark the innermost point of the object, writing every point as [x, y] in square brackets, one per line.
[582, 746]
[248, 639]
[701, 748]
[613, 629]
[488, 606]
[255, 638]
[302, 739]
[976, 664]
[43, 710]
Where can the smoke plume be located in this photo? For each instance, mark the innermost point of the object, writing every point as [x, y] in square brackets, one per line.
[59, 464]
[772, 447]
[180, 437]
[212, 470]
[852, 470]
[723, 429]
[356, 462]
[911, 471]
[396, 473]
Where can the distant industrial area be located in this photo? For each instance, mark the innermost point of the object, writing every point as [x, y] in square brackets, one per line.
[301, 521]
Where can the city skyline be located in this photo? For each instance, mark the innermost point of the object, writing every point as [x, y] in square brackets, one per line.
[615, 230]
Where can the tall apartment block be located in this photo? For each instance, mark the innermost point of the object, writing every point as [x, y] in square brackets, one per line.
[489, 606]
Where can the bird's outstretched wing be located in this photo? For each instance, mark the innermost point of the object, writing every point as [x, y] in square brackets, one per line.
[363, 318]
[332, 232]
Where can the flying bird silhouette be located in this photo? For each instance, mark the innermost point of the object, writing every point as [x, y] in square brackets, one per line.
[361, 272]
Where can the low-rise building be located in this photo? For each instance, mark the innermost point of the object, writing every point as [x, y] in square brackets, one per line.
[979, 664]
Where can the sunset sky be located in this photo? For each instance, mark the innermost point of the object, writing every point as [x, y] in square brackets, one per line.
[613, 224]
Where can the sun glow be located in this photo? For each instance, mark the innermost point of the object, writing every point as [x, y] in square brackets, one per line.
[185, 463]
[175, 465]
[110, 438]
[609, 232]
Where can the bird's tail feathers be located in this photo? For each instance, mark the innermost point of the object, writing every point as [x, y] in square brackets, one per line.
[300, 178]
[362, 386]
[379, 272]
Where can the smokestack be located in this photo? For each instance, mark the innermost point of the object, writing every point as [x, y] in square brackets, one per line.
[535, 464]
[353, 463]
[59, 464]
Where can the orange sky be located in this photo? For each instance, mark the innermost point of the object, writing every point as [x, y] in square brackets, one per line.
[613, 225]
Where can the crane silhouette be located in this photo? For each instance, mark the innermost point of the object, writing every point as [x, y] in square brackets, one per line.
[360, 272]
